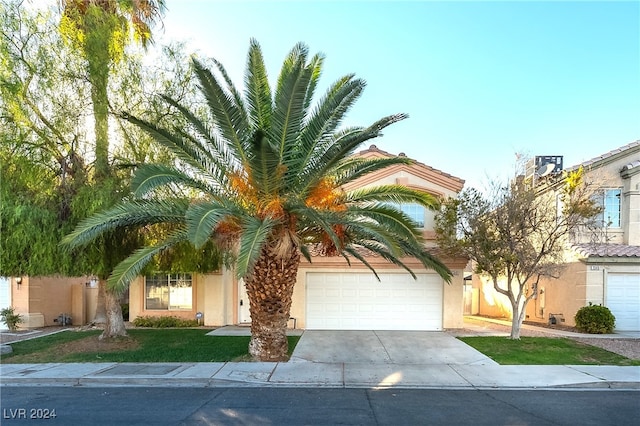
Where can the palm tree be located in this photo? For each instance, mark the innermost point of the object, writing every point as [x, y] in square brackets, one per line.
[264, 174]
[100, 30]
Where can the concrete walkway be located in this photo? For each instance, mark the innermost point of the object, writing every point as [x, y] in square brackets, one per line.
[311, 374]
[380, 359]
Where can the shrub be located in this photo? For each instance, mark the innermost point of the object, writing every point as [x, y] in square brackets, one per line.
[9, 317]
[164, 322]
[595, 319]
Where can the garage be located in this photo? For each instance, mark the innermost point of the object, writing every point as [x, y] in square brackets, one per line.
[623, 300]
[358, 301]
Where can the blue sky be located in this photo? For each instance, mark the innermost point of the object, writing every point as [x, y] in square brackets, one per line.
[481, 81]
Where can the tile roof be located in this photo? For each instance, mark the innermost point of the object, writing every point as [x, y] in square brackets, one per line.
[608, 250]
[631, 165]
[606, 155]
[375, 149]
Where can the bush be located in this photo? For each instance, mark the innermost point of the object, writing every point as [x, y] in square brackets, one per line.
[595, 319]
[164, 322]
[9, 317]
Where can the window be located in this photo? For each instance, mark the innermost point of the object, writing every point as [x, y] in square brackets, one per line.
[414, 211]
[168, 292]
[610, 201]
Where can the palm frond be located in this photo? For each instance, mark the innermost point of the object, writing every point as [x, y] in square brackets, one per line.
[132, 213]
[428, 260]
[202, 219]
[388, 216]
[151, 176]
[181, 148]
[290, 98]
[355, 168]
[381, 251]
[215, 151]
[315, 65]
[327, 115]
[257, 91]
[263, 165]
[127, 270]
[393, 194]
[343, 145]
[254, 235]
[346, 142]
[229, 117]
[353, 252]
[237, 96]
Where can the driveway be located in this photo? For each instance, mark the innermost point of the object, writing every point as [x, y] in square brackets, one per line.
[386, 347]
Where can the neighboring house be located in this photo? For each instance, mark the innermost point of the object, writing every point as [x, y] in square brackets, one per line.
[46, 301]
[329, 293]
[603, 265]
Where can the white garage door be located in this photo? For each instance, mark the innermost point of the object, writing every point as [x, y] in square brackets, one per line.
[358, 301]
[623, 299]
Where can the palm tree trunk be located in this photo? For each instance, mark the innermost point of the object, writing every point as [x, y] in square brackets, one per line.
[114, 327]
[269, 288]
[101, 308]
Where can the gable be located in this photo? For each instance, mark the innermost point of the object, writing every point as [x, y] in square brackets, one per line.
[416, 175]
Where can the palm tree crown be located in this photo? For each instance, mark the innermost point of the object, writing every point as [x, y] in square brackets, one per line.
[265, 170]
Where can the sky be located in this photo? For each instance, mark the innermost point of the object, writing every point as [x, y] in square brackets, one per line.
[481, 81]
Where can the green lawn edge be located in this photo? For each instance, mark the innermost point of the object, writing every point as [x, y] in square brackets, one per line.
[151, 345]
[544, 351]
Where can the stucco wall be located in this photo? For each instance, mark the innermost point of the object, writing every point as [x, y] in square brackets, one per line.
[41, 300]
[490, 303]
[561, 297]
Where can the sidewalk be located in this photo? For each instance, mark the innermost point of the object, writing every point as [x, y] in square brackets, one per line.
[309, 374]
[303, 373]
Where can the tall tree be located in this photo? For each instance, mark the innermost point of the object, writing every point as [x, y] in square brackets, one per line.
[46, 145]
[261, 175]
[100, 30]
[42, 102]
[516, 234]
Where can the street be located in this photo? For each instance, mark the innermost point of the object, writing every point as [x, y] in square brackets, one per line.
[319, 406]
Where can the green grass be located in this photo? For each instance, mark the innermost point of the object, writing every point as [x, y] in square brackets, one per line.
[544, 351]
[143, 345]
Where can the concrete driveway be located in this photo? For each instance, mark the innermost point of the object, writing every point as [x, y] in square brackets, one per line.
[386, 347]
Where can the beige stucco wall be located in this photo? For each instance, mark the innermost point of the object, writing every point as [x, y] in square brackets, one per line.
[218, 301]
[490, 302]
[40, 300]
[560, 296]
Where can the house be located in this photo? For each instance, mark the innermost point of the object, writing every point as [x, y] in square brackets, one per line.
[52, 300]
[602, 265]
[329, 293]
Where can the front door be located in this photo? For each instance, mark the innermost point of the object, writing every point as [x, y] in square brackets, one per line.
[244, 315]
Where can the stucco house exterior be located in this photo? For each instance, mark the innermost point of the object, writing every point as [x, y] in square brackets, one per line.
[603, 265]
[51, 300]
[329, 293]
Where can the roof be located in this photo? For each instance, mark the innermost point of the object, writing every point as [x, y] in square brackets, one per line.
[435, 175]
[608, 250]
[606, 155]
[631, 166]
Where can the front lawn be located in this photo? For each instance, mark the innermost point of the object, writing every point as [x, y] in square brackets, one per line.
[143, 345]
[544, 351]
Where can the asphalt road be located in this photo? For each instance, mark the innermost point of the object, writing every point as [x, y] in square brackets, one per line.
[302, 406]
